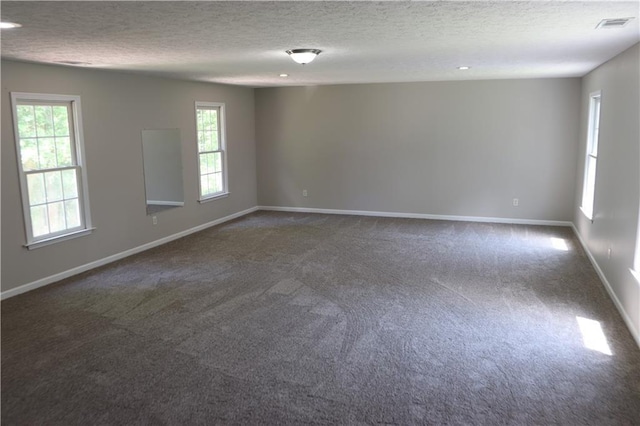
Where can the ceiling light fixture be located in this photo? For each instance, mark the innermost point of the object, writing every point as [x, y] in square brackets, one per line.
[284, 75]
[8, 25]
[303, 56]
[462, 68]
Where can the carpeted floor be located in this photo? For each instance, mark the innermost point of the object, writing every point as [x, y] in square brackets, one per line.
[281, 318]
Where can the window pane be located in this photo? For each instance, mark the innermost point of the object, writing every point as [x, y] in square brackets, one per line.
[69, 184]
[29, 154]
[214, 117]
[204, 184]
[208, 143]
[591, 179]
[214, 141]
[217, 182]
[53, 183]
[39, 221]
[212, 184]
[212, 124]
[200, 119]
[60, 121]
[594, 142]
[204, 119]
[212, 162]
[72, 213]
[47, 151]
[44, 120]
[595, 125]
[217, 162]
[35, 183]
[56, 217]
[589, 187]
[204, 163]
[201, 142]
[63, 152]
[26, 121]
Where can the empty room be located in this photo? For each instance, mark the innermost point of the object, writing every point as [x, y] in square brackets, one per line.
[320, 212]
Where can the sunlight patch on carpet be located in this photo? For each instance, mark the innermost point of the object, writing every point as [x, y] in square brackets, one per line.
[559, 244]
[593, 336]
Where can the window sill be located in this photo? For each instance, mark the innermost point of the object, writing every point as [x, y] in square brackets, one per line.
[214, 197]
[588, 216]
[42, 243]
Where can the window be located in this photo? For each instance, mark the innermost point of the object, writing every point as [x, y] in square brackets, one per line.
[51, 165]
[588, 192]
[212, 162]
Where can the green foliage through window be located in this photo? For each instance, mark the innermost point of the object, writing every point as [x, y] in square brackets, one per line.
[48, 160]
[210, 151]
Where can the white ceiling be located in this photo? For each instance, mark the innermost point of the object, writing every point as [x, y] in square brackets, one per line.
[244, 42]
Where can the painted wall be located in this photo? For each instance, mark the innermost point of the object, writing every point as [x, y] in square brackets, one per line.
[615, 218]
[444, 148]
[115, 108]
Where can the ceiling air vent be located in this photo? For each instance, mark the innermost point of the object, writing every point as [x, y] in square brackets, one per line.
[613, 23]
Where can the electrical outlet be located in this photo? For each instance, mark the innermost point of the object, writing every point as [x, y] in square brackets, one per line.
[305, 193]
[516, 202]
[154, 220]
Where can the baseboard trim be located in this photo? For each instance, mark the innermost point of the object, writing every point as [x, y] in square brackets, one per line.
[607, 286]
[88, 266]
[95, 264]
[418, 216]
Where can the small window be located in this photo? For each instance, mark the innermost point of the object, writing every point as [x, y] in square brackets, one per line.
[51, 164]
[212, 162]
[589, 188]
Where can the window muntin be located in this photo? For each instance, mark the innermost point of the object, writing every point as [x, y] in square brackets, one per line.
[49, 147]
[211, 149]
[588, 192]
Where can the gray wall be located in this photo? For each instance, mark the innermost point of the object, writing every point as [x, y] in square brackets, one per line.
[615, 218]
[116, 107]
[444, 148]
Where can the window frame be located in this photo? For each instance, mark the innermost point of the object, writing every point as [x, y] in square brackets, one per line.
[591, 154]
[77, 143]
[222, 148]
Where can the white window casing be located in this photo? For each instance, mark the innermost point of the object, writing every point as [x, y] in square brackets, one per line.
[51, 163]
[212, 151]
[591, 156]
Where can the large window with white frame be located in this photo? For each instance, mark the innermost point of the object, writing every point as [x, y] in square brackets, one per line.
[591, 160]
[51, 164]
[212, 162]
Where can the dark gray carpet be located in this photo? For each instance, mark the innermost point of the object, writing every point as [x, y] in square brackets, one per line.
[283, 318]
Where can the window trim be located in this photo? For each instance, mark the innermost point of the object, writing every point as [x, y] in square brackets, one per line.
[591, 154]
[222, 132]
[78, 143]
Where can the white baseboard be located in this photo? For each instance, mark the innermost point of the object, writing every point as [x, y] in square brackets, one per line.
[607, 286]
[88, 266]
[419, 216]
[83, 268]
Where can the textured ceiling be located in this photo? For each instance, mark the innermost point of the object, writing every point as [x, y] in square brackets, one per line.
[244, 42]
